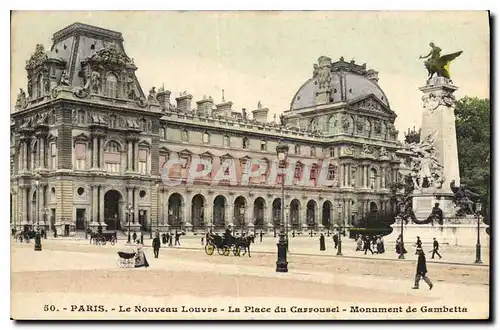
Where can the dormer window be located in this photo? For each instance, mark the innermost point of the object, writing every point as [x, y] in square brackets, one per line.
[111, 85]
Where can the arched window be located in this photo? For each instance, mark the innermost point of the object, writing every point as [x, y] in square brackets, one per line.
[81, 117]
[111, 85]
[373, 176]
[112, 157]
[226, 141]
[206, 138]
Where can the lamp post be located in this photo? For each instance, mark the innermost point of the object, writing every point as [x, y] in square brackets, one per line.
[281, 263]
[341, 218]
[129, 214]
[478, 243]
[401, 242]
[38, 241]
[157, 204]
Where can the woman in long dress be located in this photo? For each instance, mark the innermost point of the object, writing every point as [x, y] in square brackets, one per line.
[140, 257]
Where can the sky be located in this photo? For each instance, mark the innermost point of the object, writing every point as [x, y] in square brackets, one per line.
[266, 56]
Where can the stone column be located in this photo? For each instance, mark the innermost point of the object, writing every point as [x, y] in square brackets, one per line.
[21, 204]
[94, 152]
[94, 204]
[136, 156]
[129, 156]
[382, 181]
[26, 203]
[42, 153]
[101, 153]
[25, 155]
[318, 216]
[101, 206]
[136, 204]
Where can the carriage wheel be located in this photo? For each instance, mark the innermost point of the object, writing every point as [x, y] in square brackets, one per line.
[220, 250]
[131, 263]
[227, 250]
[112, 242]
[103, 241]
[236, 251]
[209, 249]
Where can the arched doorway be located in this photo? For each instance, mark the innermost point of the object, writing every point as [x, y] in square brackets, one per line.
[326, 216]
[277, 212]
[175, 207]
[219, 214]
[239, 212]
[258, 212]
[198, 211]
[373, 207]
[311, 214]
[294, 214]
[112, 199]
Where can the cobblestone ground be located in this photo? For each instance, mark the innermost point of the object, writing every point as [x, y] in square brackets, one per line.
[70, 273]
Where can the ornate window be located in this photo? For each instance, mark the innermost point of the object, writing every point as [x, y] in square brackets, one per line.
[263, 167]
[263, 145]
[297, 174]
[80, 153]
[313, 152]
[332, 151]
[226, 140]
[143, 161]
[111, 85]
[112, 121]
[313, 172]
[53, 155]
[245, 143]
[373, 176]
[206, 138]
[112, 157]
[80, 117]
[331, 172]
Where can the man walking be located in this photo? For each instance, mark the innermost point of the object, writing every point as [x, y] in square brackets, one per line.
[435, 248]
[419, 244]
[261, 234]
[421, 270]
[335, 239]
[177, 236]
[156, 245]
[367, 246]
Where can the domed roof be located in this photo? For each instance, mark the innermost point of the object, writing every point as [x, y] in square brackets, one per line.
[357, 83]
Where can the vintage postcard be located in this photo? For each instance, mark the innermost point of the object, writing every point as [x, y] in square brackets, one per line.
[274, 165]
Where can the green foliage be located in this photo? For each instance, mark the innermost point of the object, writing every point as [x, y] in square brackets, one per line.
[473, 143]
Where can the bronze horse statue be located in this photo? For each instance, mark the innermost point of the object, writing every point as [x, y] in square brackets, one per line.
[438, 64]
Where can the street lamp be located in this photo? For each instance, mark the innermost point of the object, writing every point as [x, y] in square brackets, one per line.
[281, 263]
[157, 204]
[478, 244]
[38, 241]
[341, 220]
[129, 212]
[401, 242]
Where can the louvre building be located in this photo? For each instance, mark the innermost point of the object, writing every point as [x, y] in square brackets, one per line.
[89, 146]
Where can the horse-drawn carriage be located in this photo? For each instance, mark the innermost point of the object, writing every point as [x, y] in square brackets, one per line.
[26, 236]
[227, 243]
[103, 237]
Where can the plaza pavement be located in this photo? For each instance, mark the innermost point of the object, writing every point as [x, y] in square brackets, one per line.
[73, 272]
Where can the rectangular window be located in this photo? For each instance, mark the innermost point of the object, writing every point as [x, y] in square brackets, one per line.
[298, 172]
[331, 173]
[332, 152]
[143, 167]
[279, 178]
[113, 167]
[263, 146]
[80, 150]
[313, 173]
[185, 162]
[53, 154]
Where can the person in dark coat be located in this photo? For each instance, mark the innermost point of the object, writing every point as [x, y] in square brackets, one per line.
[164, 238]
[418, 243]
[156, 245]
[177, 236]
[261, 234]
[134, 236]
[335, 240]
[435, 248]
[322, 243]
[421, 270]
[367, 246]
[293, 233]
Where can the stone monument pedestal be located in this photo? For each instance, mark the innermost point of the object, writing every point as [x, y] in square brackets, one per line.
[424, 202]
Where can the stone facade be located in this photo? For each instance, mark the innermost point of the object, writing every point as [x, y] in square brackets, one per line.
[96, 146]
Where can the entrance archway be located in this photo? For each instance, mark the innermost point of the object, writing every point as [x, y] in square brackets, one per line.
[198, 211]
[294, 214]
[219, 214]
[175, 207]
[112, 199]
[311, 213]
[326, 219]
[373, 207]
[277, 212]
[240, 205]
[259, 206]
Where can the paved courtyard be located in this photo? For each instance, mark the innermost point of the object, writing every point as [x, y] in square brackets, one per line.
[70, 274]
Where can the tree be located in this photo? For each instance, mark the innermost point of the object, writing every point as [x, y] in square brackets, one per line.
[473, 143]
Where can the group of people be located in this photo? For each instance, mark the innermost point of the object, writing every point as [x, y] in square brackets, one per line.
[374, 244]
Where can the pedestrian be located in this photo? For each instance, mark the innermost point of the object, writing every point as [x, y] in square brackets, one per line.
[435, 248]
[134, 236]
[367, 246]
[164, 239]
[335, 240]
[380, 245]
[177, 236]
[142, 238]
[418, 244]
[156, 245]
[140, 257]
[421, 270]
[171, 239]
[293, 233]
[202, 239]
[261, 234]
[359, 243]
[322, 242]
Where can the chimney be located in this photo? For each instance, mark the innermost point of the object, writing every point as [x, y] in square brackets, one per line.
[184, 102]
[224, 109]
[204, 107]
[260, 114]
[163, 97]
